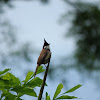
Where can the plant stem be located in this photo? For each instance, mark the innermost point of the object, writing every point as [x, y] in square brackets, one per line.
[43, 83]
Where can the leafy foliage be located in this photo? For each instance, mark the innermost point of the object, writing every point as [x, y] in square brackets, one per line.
[58, 90]
[47, 97]
[63, 96]
[9, 85]
[73, 89]
[39, 70]
[66, 97]
[28, 76]
[2, 72]
[86, 28]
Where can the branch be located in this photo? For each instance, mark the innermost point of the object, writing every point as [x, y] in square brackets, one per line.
[43, 83]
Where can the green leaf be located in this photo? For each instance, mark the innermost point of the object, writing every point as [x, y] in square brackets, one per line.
[12, 97]
[2, 72]
[10, 79]
[28, 77]
[5, 84]
[58, 90]
[39, 70]
[47, 97]
[25, 90]
[34, 82]
[1, 82]
[7, 76]
[66, 97]
[2, 87]
[8, 95]
[73, 89]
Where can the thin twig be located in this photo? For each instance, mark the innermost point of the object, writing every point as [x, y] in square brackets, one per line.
[43, 83]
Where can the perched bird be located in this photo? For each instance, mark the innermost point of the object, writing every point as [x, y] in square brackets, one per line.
[45, 55]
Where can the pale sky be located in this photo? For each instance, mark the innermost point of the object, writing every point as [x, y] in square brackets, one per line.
[36, 22]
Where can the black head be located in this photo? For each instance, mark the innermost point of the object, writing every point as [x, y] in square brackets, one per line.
[45, 43]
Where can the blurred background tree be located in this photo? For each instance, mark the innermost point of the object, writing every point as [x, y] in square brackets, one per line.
[85, 28]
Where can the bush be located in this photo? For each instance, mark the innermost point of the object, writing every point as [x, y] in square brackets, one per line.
[12, 88]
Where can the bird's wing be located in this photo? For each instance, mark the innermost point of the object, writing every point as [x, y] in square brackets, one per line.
[42, 57]
[48, 55]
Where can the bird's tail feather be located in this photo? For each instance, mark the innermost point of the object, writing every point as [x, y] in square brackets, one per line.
[36, 70]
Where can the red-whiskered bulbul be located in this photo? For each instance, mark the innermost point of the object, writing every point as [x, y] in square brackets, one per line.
[45, 55]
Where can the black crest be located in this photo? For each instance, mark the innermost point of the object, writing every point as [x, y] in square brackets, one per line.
[45, 43]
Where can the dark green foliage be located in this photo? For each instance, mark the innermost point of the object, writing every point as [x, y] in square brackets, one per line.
[28, 77]
[63, 95]
[9, 85]
[88, 51]
[34, 82]
[47, 97]
[86, 29]
[24, 90]
[66, 97]
[9, 82]
[73, 89]
[40, 69]
[2, 72]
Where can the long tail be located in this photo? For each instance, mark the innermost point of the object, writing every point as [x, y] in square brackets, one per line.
[36, 70]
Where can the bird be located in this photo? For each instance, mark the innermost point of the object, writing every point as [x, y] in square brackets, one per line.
[45, 55]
